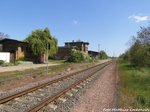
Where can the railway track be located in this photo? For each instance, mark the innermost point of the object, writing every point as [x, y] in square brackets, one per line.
[35, 98]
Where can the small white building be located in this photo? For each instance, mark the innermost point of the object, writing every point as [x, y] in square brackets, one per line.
[5, 56]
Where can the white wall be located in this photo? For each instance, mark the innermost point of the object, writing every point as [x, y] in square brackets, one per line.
[5, 56]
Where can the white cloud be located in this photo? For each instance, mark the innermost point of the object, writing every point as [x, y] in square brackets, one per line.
[137, 18]
[75, 22]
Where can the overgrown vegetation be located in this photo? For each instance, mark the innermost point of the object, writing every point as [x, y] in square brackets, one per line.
[4, 64]
[13, 76]
[134, 86]
[134, 71]
[38, 41]
[78, 56]
[103, 55]
[139, 52]
[7, 78]
[1, 62]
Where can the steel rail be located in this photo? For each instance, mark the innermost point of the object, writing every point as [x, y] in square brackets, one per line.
[57, 95]
[18, 94]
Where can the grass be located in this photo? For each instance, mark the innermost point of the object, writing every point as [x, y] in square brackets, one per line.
[8, 77]
[134, 86]
[56, 61]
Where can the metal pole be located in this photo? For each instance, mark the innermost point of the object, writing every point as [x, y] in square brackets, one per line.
[47, 60]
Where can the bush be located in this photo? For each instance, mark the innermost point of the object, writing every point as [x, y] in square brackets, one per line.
[78, 56]
[7, 64]
[1, 62]
[4, 64]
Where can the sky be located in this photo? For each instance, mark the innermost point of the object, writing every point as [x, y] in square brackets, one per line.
[107, 23]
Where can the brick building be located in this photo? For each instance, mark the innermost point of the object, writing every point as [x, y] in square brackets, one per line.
[64, 51]
[18, 50]
[93, 54]
[79, 45]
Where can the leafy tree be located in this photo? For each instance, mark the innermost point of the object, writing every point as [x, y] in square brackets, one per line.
[139, 53]
[53, 47]
[38, 41]
[143, 36]
[125, 56]
[103, 55]
[135, 54]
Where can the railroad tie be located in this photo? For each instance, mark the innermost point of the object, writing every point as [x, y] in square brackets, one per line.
[47, 86]
[75, 90]
[78, 86]
[55, 84]
[52, 106]
[83, 84]
[30, 94]
[19, 100]
[69, 94]
[42, 94]
[62, 99]
[40, 90]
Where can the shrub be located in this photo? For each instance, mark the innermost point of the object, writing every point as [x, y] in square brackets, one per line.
[7, 64]
[1, 62]
[78, 56]
[4, 64]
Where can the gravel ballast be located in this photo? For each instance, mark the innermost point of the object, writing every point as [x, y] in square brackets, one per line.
[34, 98]
[72, 102]
[100, 95]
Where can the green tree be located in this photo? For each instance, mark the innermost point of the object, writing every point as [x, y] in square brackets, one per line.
[135, 54]
[103, 55]
[143, 36]
[139, 52]
[38, 41]
[53, 47]
[125, 56]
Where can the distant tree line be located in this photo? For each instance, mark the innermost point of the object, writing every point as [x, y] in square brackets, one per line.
[103, 55]
[139, 52]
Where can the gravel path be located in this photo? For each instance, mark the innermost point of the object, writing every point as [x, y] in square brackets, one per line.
[100, 95]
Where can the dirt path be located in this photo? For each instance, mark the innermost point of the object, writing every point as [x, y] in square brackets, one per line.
[22, 67]
[101, 94]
